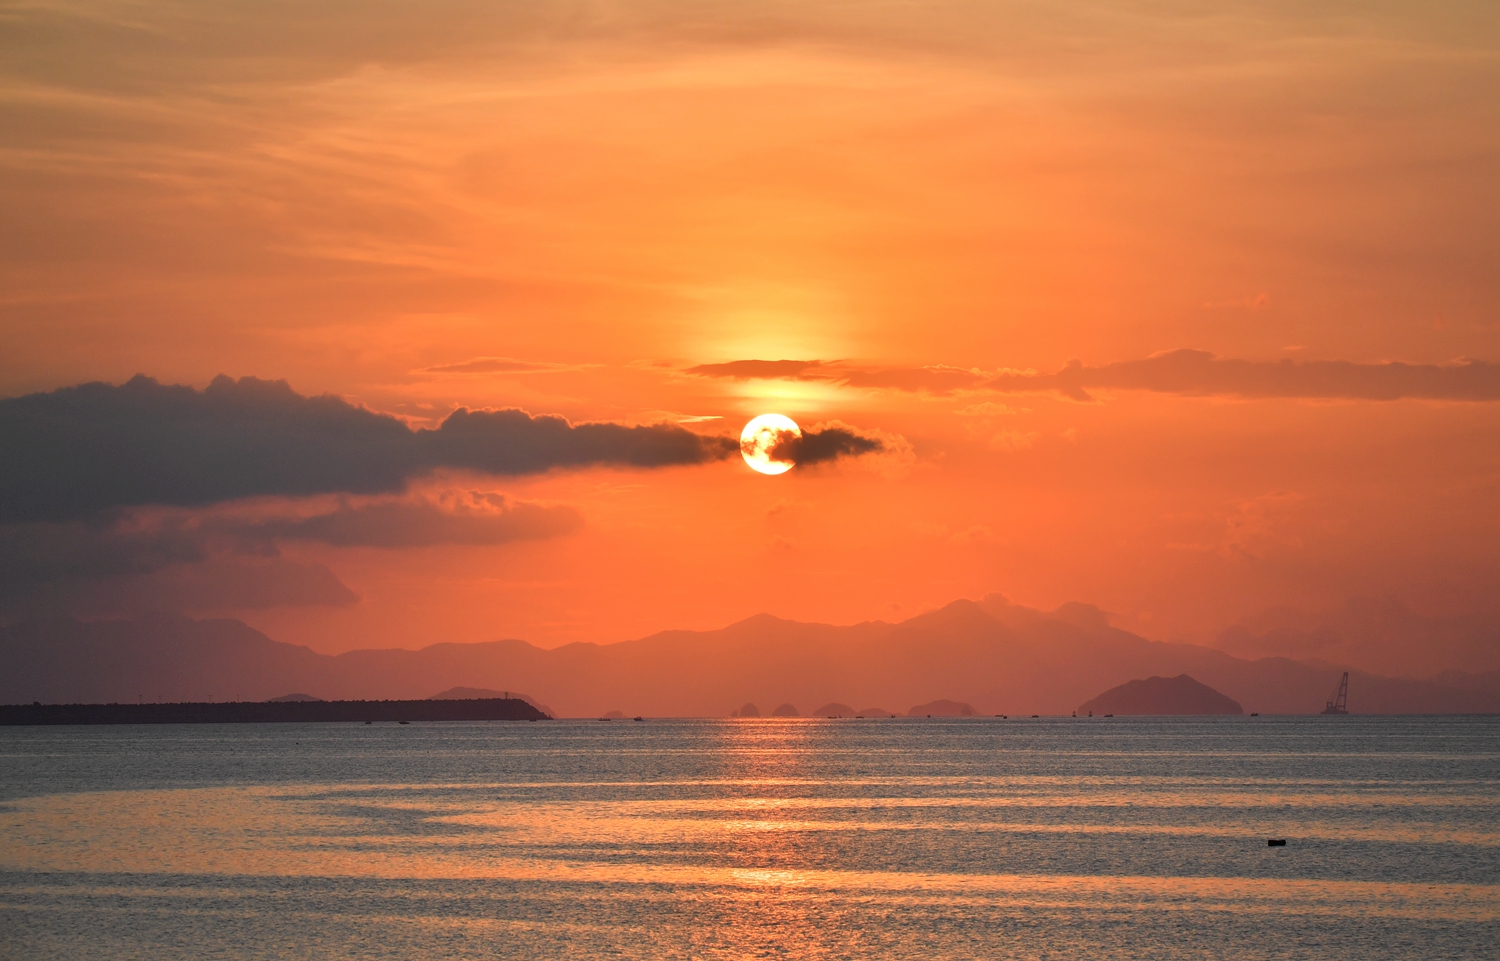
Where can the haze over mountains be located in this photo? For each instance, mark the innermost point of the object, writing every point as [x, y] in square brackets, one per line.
[998, 656]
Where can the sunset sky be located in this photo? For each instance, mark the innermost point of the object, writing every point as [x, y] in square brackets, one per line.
[1190, 315]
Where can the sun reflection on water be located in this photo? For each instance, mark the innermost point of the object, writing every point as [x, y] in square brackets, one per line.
[793, 831]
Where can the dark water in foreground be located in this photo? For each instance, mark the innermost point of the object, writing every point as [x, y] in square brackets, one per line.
[965, 838]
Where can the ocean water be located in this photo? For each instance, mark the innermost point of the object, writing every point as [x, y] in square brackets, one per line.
[964, 838]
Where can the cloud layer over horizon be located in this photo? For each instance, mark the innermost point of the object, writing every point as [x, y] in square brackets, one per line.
[134, 561]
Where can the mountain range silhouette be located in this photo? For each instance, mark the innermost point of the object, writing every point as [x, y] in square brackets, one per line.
[997, 656]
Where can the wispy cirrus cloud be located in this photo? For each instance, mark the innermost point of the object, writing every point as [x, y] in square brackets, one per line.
[1184, 372]
[1199, 373]
[497, 365]
[936, 379]
[766, 369]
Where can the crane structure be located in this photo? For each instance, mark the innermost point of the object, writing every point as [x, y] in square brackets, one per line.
[1339, 703]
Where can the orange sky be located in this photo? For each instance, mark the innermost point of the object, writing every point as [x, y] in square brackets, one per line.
[612, 193]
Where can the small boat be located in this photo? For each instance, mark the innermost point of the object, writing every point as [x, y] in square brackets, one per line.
[403, 722]
[1275, 842]
[639, 718]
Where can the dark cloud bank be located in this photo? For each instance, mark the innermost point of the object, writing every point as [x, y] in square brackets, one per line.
[77, 463]
[397, 524]
[1185, 372]
[77, 451]
[821, 446]
[115, 547]
[121, 565]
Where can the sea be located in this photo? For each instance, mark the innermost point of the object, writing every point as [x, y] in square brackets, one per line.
[1067, 838]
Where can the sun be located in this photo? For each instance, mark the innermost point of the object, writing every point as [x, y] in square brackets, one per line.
[760, 439]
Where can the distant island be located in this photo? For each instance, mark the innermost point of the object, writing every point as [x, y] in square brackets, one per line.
[1162, 695]
[270, 712]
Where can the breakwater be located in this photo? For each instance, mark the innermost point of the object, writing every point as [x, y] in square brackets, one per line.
[266, 712]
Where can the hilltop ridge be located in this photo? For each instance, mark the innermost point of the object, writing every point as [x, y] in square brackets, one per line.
[995, 655]
[1161, 695]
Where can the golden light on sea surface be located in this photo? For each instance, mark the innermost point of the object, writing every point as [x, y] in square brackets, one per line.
[760, 438]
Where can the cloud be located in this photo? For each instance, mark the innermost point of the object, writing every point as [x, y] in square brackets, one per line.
[219, 584]
[1200, 373]
[495, 365]
[1012, 441]
[821, 446]
[991, 409]
[1186, 372]
[215, 584]
[1256, 529]
[38, 553]
[770, 369]
[81, 450]
[515, 442]
[133, 562]
[480, 519]
[936, 379]
[1262, 526]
